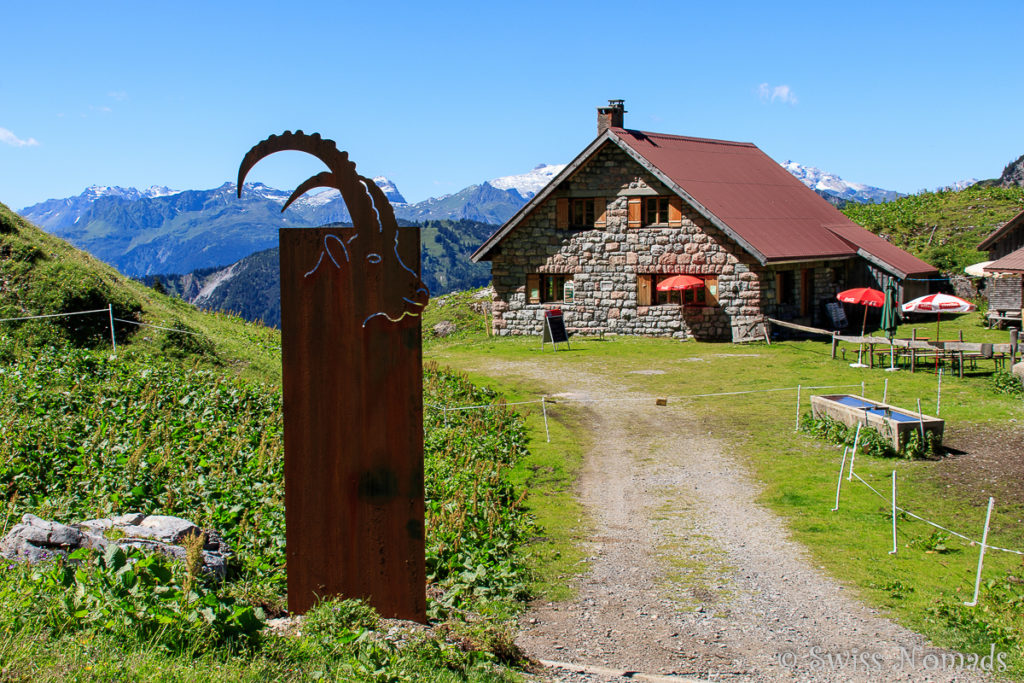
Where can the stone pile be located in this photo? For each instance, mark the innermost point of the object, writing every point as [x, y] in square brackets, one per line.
[38, 540]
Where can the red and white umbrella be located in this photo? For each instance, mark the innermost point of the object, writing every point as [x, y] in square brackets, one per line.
[938, 304]
[863, 296]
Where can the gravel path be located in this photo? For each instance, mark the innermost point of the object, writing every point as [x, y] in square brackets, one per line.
[690, 578]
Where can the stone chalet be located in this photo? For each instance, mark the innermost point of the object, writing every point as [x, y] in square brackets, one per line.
[1005, 291]
[634, 208]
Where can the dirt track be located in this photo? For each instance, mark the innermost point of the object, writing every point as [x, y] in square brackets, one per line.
[689, 577]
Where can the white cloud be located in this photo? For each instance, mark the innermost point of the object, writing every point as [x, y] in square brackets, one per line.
[9, 138]
[771, 93]
[119, 95]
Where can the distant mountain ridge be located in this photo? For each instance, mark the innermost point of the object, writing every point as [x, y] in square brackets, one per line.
[160, 230]
[830, 185]
[251, 287]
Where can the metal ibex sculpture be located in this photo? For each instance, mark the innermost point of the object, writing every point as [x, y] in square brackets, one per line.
[352, 381]
[375, 240]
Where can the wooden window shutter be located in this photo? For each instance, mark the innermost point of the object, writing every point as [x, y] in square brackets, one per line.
[711, 291]
[635, 212]
[562, 206]
[643, 289]
[600, 212]
[806, 292]
[675, 212]
[533, 288]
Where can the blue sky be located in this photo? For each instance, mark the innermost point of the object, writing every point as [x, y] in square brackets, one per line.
[438, 96]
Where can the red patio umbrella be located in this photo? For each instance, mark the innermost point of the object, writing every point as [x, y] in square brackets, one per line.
[862, 296]
[680, 282]
[938, 303]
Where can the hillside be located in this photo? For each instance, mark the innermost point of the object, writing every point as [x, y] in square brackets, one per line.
[42, 275]
[187, 422]
[944, 227]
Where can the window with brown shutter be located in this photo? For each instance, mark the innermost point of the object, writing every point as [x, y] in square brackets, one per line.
[562, 213]
[533, 288]
[582, 214]
[806, 292]
[542, 288]
[635, 215]
[675, 212]
[643, 289]
[601, 212]
[711, 287]
[655, 211]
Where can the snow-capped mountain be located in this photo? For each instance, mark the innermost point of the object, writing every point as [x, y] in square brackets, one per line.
[529, 184]
[825, 183]
[960, 185]
[94, 192]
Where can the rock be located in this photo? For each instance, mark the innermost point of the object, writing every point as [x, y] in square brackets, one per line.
[444, 328]
[1013, 174]
[1018, 370]
[37, 540]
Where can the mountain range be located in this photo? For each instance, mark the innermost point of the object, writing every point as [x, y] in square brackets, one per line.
[159, 230]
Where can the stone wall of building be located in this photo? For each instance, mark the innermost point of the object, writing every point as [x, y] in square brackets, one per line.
[604, 264]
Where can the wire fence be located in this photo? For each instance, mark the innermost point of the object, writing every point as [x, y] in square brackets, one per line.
[109, 311]
[543, 401]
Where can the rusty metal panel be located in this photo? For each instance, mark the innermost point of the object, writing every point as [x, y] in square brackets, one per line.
[353, 422]
[353, 395]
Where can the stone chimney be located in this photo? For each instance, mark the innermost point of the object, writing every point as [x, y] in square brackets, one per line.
[610, 116]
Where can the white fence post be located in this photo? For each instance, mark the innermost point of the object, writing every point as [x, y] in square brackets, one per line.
[839, 484]
[797, 427]
[920, 421]
[113, 340]
[981, 555]
[853, 453]
[894, 546]
[544, 409]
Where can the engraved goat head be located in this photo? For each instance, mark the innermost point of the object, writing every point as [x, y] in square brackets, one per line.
[374, 242]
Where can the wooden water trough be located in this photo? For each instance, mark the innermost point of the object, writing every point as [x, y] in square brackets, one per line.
[896, 424]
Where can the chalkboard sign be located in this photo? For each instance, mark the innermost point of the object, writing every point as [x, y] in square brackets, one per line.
[554, 328]
[837, 314]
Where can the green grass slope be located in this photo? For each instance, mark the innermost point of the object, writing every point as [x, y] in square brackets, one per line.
[943, 228]
[43, 275]
[190, 425]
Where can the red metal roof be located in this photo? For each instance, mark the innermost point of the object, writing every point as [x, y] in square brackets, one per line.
[1004, 229]
[1011, 263]
[761, 202]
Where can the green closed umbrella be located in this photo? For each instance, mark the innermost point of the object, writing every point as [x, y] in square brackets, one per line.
[891, 317]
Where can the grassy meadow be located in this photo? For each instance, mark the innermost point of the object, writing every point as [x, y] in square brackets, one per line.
[925, 584]
[187, 421]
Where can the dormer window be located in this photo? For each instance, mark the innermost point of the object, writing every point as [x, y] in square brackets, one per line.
[659, 211]
[655, 211]
[582, 213]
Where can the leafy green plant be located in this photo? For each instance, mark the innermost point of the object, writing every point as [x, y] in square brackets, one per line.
[871, 442]
[937, 542]
[1003, 382]
[144, 598]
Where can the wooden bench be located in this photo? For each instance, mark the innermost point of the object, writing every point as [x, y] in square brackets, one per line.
[996, 319]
